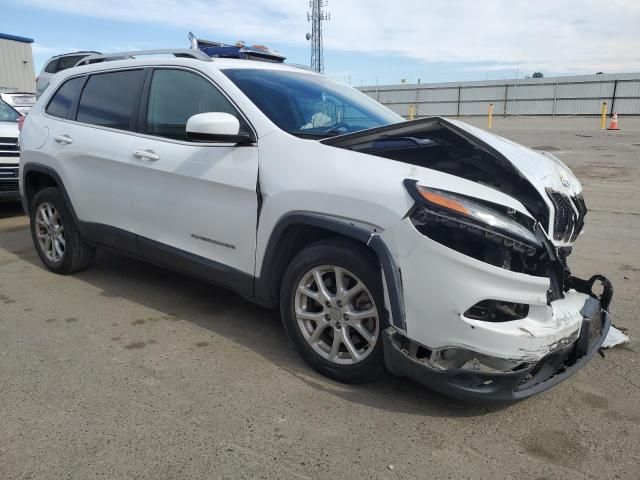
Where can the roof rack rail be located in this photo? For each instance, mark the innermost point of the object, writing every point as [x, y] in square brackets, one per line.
[176, 52]
[301, 67]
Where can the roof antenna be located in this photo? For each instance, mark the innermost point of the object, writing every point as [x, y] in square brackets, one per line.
[316, 17]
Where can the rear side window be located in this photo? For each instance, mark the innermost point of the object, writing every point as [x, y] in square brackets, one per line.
[176, 95]
[63, 63]
[52, 66]
[68, 62]
[62, 101]
[110, 99]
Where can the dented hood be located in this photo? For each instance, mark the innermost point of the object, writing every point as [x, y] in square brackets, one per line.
[459, 149]
[543, 168]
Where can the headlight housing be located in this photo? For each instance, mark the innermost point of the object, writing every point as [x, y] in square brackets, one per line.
[466, 211]
[477, 229]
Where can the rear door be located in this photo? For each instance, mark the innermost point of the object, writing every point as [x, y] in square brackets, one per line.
[196, 198]
[90, 147]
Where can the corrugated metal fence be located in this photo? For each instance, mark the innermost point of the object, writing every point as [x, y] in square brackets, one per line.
[578, 95]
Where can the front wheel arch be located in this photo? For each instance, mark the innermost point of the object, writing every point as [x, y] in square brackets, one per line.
[298, 229]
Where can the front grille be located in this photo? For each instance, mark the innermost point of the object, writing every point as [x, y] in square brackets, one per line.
[8, 178]
[9, 147]
[8, 185]
[578, 201]
[569, 216]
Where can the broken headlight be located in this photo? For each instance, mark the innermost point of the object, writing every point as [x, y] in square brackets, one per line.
[474, 215]
[503, 238]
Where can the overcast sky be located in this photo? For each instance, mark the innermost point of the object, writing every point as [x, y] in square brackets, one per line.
[366, 40]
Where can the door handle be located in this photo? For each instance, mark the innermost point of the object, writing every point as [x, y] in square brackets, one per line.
[146, 155]
[63, 139]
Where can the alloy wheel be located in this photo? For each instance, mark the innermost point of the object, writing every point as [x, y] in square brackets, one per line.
[336, 314]
[50, 232]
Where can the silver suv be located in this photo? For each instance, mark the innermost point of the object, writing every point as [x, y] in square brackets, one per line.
[57, 64]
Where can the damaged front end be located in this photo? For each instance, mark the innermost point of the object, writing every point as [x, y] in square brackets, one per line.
[493, 311]
[467, 375]
[502, 238]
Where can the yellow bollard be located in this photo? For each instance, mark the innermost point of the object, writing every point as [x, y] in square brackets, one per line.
[412, 112]
[490, 114]
[603, 115]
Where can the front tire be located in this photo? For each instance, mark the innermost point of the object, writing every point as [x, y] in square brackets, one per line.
[55, 234]
[332, 306]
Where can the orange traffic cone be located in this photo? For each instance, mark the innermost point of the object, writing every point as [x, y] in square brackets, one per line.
[614, 123]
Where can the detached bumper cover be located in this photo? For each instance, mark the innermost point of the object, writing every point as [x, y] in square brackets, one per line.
[513, 385]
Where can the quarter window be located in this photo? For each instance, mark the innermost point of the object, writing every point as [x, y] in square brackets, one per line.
[62, 101]
[177, 95]
[52, 66]
[68, 62]
[109, 99]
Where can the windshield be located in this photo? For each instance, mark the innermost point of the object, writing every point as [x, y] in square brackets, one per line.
[8, 114]
[310, 105]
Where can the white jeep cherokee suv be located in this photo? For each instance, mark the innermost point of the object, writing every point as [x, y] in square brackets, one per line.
[430, 246]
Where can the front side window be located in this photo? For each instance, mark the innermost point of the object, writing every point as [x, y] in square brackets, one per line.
[62, 101]
[109, 99]
[310, 105]
[8, 114]
[177, 95]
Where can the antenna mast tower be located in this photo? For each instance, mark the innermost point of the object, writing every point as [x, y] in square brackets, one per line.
[316, 17]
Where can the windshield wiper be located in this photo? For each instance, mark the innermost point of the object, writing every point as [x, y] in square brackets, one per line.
[304, 133]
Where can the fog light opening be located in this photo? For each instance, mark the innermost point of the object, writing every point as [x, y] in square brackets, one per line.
[497, 311]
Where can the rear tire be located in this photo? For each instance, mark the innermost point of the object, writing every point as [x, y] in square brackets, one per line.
[55, 234]
[338, 331]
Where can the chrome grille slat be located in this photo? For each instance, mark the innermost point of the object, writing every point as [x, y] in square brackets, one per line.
[9, 147]
[569, 215]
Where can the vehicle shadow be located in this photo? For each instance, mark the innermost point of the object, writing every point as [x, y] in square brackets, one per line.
[237, 319]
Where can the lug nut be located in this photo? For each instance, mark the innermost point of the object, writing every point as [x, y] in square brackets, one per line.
[345, 316]
[338, 326]
[339, 303]
[328, 304]
[327, 316]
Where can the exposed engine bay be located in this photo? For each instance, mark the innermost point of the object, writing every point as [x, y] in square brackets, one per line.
[441, 145]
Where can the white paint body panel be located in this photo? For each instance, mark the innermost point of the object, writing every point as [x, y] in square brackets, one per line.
[205, 191]
[211, 191]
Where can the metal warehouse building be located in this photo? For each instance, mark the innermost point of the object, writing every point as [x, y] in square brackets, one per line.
[17, 73]
[575, 95]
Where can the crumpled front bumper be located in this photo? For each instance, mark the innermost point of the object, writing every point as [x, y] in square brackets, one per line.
[511, 385]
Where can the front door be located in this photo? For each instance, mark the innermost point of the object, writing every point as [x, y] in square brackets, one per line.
[193, 201]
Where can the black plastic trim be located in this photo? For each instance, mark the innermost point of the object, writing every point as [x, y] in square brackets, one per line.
[196, 266]
[239, 140]
[101, 235]
[36, 167]
[73, 111]
[265, 292]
